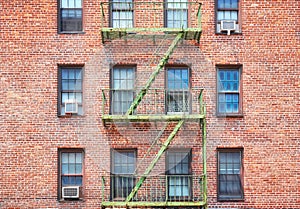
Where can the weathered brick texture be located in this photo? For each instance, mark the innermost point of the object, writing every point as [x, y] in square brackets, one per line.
[32, 133]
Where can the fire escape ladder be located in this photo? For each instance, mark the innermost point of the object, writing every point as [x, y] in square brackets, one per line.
[154, 161]
[159, 67]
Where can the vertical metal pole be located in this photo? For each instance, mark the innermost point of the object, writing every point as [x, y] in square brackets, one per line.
[203, 121]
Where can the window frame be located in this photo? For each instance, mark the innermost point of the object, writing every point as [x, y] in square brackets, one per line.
[166, 9]
[187, 176]
[167, 89]
[60, 18]
[112, 10]
[240, 91]
[60, 175]
[222, 197]
[123, 176]
[60, 91]
[134, 68]
[238, 22]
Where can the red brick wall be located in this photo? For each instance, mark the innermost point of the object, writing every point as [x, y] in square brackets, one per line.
[31, 131]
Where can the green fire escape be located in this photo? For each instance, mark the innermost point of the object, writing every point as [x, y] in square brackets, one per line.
[193, 33]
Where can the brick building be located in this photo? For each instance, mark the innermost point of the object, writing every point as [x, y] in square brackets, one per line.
[149, 104]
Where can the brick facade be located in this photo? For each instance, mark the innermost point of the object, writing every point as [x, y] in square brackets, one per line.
[32, 132]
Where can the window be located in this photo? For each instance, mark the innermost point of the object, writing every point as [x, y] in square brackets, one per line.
[70, 15]
[123, 168]
[122, 93]
[229, 91]
[227, 10]
[230, 174]
[122, 14]
[70, 168]
[70, 93]
[177, 94]
[176, 13]
[179, 174]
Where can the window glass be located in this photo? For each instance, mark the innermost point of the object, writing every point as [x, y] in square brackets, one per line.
[227, 10]
[229, 175]
[71, 168]
[70, 15]
[176, 14]
[123, 89]
[228, 91]
[70, 88]
[178, 172]
[178, 95]
[122, 14]
[123, 167]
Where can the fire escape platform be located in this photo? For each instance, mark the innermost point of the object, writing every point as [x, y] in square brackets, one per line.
[149, 118]
[153, 204]
[118, 33]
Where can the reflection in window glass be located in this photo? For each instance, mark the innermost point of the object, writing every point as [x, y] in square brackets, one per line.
[71, 168]
[229, 175]
[176, 14]
[122, 89]
[178, 171]
[228, 90]
[123, 168]
[70, 88]
[178, 95]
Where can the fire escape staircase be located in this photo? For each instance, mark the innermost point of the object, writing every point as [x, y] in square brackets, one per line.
[109, 34]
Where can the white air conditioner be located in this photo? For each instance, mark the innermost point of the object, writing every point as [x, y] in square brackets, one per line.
[70, 192]
[228, 25]
[71, 106]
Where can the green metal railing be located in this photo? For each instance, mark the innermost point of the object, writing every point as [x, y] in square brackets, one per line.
[158, 190]
[157, 102]
[122, 18]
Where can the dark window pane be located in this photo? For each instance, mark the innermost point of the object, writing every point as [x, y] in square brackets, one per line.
[123, 168]
[178, 164]
[229, 185]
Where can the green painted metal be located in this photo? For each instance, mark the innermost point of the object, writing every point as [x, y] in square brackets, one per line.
[103, 102]
[154, 161]
[155, 30]
[199, 15]
[103, 187]
[153, 204]
[159, 67]
[149, 118]
[204, 135]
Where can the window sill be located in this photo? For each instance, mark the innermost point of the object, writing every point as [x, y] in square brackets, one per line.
[225, 34]
[71, 32]
[70, 116]
[220, 115]
[71, 200]
[231, 200]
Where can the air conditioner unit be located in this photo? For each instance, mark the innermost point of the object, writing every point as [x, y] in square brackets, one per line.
[228, 25]
[70, 192]
[71, 106]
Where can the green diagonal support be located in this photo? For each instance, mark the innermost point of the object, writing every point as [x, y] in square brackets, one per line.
[160, 66]
[154, 161]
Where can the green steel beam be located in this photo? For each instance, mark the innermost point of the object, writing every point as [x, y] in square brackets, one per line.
[136, 30]
[149, 118]
[204, 134]
[153, 204]
[154, 161]
[159, 67]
